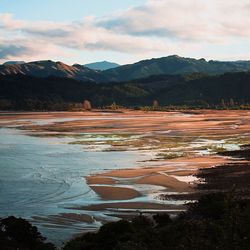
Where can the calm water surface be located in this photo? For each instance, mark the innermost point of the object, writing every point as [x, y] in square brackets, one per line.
[44, 176]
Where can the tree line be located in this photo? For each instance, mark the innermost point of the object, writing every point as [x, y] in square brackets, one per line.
[228, 91]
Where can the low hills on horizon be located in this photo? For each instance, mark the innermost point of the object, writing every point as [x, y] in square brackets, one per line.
[103, 65]
[110, 72]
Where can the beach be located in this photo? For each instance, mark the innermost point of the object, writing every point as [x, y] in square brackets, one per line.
[124, 162]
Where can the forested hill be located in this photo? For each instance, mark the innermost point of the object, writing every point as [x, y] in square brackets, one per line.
[25, 92]
[174, 65]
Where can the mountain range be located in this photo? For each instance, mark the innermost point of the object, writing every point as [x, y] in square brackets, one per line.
[171, 65]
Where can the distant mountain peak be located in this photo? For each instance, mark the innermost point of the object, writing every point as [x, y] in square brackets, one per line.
[103, 65]
[13, 62]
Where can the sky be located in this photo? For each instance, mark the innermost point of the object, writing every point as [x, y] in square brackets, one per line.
[123, 31]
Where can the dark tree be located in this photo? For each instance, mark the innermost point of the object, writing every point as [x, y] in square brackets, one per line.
[17, 233]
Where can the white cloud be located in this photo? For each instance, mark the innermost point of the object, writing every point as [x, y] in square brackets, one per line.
[7, 22]
[157, 27]
[31, 49]
[169, 18]
[198, 20]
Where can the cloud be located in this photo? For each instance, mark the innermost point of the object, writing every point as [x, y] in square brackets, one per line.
[82, 35]
[7, 22]
[7, 50]
[156, 27]
[194, 20]
[168, 18]
[32, 49]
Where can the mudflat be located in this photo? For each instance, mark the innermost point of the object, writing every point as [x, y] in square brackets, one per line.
[178, 143]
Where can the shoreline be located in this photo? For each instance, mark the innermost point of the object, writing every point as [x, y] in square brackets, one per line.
[179, 145]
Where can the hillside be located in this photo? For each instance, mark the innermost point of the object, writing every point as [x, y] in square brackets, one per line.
[49, 68]
[171, 65]
[174, 65]
[24, 92]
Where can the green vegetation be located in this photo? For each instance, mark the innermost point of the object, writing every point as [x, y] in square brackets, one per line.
[244, 152]
[173, 65]
[162, 92]
[17, 233]
[169, 156]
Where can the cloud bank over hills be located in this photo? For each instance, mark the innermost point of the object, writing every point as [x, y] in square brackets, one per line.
[157, 27]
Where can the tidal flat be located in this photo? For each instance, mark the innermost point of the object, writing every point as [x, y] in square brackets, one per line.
[74, 171]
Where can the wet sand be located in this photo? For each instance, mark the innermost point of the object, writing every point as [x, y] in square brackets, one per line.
[204, 122]
[198, 135]
[115, 193]
[64, 218]
[99, 180]
[164, 175]
[127, 206]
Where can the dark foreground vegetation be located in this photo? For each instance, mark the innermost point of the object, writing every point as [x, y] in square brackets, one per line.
[228, 91]
[234, 175]
[17, 233]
